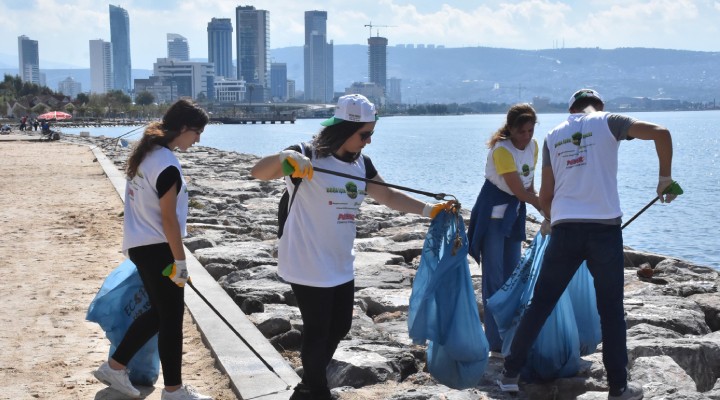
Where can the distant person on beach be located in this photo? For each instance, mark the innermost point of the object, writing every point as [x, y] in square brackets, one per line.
[23, 123]
[156, 208]
[35, 124]
[315, 252]
[497, 223]
[579, 193]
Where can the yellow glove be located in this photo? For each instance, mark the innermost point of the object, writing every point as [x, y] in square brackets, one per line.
[432, 210]
[177, 272]
[296, 164]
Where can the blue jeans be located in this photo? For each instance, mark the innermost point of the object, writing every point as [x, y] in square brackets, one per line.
[500, 257]
[571, 243]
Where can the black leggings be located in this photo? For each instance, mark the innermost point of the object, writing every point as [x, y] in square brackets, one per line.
[164, 317]
[327, 318]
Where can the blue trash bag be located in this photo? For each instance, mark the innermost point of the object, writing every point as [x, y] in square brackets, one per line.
[584, 303]
[121, 299]
[443, 308]
[556, 351]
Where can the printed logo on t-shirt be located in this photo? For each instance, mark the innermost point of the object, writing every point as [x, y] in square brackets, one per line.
[525, 170]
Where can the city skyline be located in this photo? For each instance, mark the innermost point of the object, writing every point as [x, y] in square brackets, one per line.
[63, 34]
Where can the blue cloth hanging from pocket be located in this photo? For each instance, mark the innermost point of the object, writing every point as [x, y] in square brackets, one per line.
[120, 300]
[443, 309]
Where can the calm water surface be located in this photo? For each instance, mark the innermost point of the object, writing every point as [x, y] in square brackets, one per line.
[447, 154]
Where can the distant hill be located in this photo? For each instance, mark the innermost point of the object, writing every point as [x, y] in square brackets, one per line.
[471, 74]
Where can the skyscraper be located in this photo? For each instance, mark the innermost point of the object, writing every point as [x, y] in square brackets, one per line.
[120, 38]
[101, 73]
[318, 54]
[177, 47]
[253, 46]
[29, 60]
[377, 61]
[220, 46]
[278, 79]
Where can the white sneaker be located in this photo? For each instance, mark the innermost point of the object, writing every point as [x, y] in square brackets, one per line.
[117, 379]
[186, 392]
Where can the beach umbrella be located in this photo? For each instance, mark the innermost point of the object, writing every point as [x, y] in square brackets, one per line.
[57, 115]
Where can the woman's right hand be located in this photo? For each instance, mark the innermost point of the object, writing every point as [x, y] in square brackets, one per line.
[296, 164]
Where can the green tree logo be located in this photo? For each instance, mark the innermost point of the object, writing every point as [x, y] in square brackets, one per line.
[576, 138]
[351, 190]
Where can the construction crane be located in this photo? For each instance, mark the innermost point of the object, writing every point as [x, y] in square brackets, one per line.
[377, 32]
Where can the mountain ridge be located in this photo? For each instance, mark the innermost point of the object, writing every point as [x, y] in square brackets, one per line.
[488, 74]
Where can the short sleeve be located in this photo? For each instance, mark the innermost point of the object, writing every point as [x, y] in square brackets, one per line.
[166, 179]
[504, 161]
[370, 171]
[619, 125]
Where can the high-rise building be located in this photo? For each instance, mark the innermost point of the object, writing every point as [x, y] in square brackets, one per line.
[101, 65]
[253, 47]
[291, 88]
[29, 60]
[120, 38]
[177, 47]
[70, 87]
[278, 79]
[187, 78]
[318, 55]
[393, 91]
[377, 61]
[220, 46]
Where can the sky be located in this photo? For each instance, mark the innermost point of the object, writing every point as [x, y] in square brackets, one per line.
[63, 28]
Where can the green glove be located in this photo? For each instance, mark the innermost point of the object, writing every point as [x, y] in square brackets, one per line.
[668, 189]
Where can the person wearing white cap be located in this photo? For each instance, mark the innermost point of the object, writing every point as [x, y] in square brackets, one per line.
[579, 193]
[315, 252]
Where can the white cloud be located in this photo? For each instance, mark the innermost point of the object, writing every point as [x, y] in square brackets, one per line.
[64, 27]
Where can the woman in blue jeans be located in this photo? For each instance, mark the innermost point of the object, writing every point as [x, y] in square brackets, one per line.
[497, 222]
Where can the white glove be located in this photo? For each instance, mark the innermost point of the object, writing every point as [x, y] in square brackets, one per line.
[663, 183]
[179, 272]
[296, 164]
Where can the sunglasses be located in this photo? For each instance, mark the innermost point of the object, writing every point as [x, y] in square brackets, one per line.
[366, 135]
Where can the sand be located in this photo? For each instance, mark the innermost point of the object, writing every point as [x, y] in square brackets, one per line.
[60, 235]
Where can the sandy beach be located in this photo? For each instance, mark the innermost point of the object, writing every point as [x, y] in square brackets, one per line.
[61, 234]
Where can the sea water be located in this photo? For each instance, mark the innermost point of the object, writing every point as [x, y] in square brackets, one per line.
[447, 154]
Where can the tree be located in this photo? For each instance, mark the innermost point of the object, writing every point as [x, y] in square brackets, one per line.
[144, 98]
[82, 98]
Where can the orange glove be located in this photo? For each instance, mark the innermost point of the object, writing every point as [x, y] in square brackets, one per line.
[432, 210]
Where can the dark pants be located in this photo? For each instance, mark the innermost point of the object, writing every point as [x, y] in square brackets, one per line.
[164, 317]
[327, 318]
[570, 244]
[500, 257]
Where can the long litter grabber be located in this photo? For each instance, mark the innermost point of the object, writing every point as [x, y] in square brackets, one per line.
[436, 196]
[673, 188]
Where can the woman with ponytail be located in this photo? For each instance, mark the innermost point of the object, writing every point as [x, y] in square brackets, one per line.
[497, 222]
[156, 207]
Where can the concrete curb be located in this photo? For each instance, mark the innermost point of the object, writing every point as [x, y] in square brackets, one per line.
[242, 361]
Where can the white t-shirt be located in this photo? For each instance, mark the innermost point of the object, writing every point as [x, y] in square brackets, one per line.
[143, 220]
[316, 248]
[504, 157]
[584, 157]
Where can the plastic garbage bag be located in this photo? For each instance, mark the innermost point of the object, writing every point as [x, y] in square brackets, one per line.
[120, 300]
[556, 351]
[584, 304]
[443, 309]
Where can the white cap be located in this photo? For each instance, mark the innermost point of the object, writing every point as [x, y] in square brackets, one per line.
[352, 107]
[583, 94]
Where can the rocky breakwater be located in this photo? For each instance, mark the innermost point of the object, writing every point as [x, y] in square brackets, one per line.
[672, 307]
